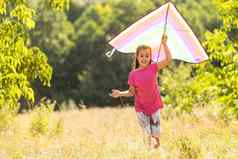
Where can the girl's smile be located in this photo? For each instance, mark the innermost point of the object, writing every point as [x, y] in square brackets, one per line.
[144, 58]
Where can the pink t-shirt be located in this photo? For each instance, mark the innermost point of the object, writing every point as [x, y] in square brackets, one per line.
[147, 96]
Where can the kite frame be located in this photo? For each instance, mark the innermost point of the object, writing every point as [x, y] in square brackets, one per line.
[111, 52]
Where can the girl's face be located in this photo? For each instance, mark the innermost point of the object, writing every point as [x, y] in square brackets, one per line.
[144, 58]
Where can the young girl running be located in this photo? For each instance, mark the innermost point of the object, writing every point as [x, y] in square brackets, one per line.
[143, 85]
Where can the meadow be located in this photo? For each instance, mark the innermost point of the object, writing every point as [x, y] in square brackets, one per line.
[54, 50]
[113, 133]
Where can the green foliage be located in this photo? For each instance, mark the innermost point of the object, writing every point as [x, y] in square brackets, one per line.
[104, 20]
[176, 88]
[19, 63]
[74, 42]
[222, 67]
[86, 69]
[24, 14]
[214, 82]
[59, 5]
[54, 33]
[2, 7]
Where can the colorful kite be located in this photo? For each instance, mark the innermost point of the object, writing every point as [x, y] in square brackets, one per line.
[182, 42]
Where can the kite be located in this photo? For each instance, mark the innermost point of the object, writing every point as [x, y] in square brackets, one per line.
[182, 42]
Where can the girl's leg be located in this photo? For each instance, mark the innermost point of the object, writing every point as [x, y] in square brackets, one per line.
[144, 122]
[155, 128]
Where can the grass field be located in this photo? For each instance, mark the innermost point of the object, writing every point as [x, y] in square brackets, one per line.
[113, 133]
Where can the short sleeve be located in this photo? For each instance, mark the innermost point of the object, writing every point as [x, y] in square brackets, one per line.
[130, 79]
[154, 67]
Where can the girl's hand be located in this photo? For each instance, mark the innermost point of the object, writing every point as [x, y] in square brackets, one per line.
[115, 93]
[164, 39]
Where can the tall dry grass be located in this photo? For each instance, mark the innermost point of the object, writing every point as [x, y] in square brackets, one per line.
[113, 133]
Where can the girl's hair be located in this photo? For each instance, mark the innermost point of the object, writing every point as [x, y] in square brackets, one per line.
[139, 48]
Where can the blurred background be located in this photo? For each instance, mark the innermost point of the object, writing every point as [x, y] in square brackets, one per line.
[75, 42]
[73, 38]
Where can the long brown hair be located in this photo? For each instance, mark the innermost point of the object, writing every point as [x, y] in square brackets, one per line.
[139, 48]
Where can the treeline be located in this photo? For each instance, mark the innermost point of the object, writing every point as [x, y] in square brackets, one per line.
[76, 42]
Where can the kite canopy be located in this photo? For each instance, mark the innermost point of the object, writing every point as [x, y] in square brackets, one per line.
[182, 42]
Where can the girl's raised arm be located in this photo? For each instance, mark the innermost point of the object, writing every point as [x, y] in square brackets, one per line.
[168, 56]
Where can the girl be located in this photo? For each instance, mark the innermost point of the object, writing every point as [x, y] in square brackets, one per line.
[143, 85]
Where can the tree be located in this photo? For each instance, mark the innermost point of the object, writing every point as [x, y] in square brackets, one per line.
[54, 34]
[221, 71]
[88, 75]
[20, 63]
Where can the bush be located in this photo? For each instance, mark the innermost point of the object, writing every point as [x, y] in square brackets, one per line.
[176, 87]
[41, 117]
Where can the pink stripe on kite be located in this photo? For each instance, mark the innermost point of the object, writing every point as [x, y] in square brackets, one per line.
[140, 26]
[126, 38]
[191, 43]
[131, 38]
[186, 40]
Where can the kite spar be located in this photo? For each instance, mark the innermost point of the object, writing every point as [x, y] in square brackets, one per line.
[165, 26]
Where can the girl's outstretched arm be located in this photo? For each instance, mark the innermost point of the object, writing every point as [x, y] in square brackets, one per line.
[128, 93]
[168, 56]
